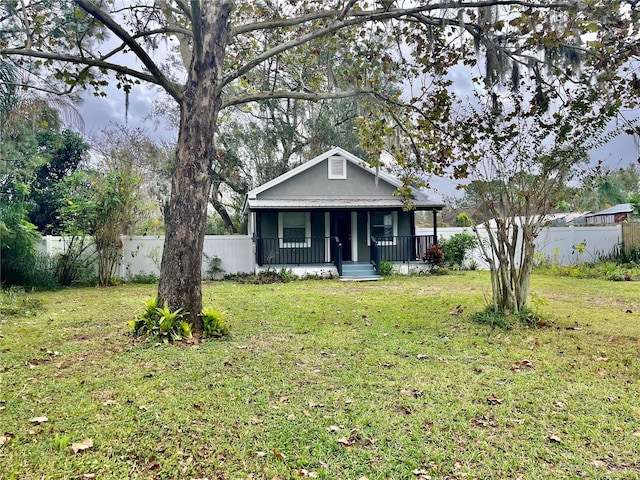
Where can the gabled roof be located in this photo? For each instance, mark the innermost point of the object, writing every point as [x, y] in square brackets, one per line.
[420, 197]
[320, 158]
[620, 208]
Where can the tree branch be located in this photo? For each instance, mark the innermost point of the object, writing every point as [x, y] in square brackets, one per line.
[92, 62]
[384, 14]
[104, 18]
[357, 17]
[309, 96]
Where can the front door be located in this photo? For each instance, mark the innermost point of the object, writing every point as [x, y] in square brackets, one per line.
[341, 228]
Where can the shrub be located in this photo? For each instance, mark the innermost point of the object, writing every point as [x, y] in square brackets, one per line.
[386, 268]
[434, 256]
[214, 269]
[76, 264]
[457, 247]
[160, 323]
[214, 323]
[144, 278]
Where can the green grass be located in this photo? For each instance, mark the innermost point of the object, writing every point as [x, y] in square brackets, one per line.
[344, 380]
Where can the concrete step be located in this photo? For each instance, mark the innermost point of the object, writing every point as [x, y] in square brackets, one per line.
[358, 272]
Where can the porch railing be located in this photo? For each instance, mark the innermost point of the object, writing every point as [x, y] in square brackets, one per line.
[375, 255]
[409, 248]
[318, 250]
[336, 254]
[275, 251]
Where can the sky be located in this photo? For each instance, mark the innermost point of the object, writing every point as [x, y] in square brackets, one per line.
[100, 112]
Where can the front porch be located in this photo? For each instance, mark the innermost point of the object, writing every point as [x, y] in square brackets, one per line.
[329, 251]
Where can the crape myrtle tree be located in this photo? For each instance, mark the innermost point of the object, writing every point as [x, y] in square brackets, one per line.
[521, 165]
[66, 45]
[535, 130]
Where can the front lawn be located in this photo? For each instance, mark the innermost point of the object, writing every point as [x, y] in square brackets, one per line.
[323, 379]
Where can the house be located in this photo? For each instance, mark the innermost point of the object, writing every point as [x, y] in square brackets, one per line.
[336, 214]
[613, 215]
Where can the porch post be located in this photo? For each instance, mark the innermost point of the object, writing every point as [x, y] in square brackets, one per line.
[435, 226]
[257, 237]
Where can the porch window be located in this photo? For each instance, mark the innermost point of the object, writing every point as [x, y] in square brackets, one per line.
[383, 226]
[294, 229]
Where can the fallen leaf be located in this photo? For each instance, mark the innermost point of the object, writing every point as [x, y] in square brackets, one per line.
[284, 399]
[334, 428]
[344, 441]
[315, 405]
[601, 359]
[599, 463]
[363, 477]
[493, 400]
[457, 311]
[38, 419]
[403, 410]
[554, 438]
[82, 446]
[479, 422]
[636, 433]
[422, 356]
[278, 454]
[110, 402]
[261, 454]
[521, 365]
[303, 472]
[4, 439]
[89, 475]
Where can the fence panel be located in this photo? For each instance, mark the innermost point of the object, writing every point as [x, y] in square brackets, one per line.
[556, 243]
[630, 236]
[143, 254]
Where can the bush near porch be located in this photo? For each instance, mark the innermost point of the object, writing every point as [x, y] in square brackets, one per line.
[322, 379]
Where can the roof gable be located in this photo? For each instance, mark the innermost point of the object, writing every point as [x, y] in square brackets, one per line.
[316, 185]
[336, 151]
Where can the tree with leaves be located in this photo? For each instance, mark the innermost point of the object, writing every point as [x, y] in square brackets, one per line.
[66, 45]
[524, 156]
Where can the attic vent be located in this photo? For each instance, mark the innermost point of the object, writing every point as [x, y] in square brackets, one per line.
[337, 168]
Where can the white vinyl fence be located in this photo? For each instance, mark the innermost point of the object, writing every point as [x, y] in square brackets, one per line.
[558, 244]
[143, 254]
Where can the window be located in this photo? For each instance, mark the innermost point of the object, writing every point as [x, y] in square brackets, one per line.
[337, 168]
[383, 226]
[294, 229]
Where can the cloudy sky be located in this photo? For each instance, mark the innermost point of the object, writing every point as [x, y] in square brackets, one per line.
[99, 112]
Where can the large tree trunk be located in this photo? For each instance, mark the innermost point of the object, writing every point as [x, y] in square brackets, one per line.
[181, 269]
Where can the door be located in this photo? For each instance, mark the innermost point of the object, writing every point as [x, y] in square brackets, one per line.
[341, 228]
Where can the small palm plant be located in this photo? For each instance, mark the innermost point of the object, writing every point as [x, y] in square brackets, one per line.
[161, 323]
[214, 324]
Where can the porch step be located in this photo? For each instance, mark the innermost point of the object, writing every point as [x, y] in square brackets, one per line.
[358, 272]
